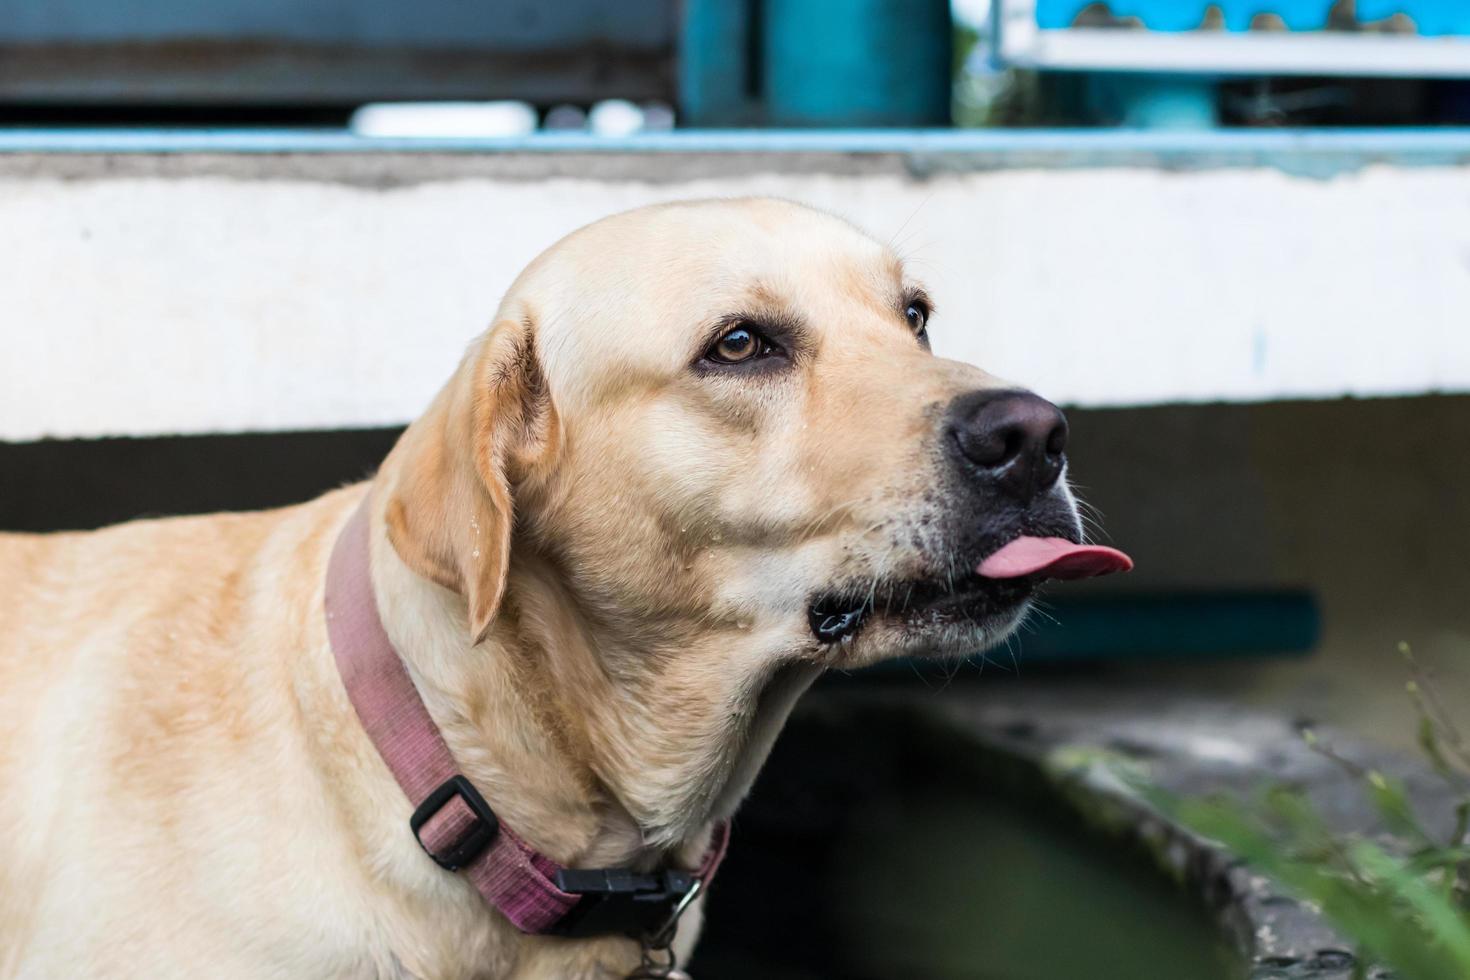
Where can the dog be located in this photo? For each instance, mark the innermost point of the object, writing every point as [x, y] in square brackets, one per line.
[703, 454]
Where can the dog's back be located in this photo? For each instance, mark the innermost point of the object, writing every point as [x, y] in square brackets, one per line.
[148, 713]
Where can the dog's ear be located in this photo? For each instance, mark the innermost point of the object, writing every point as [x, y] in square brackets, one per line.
[450, 511]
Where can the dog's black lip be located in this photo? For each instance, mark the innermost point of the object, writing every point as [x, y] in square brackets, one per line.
[836, 621]
[837, 615]
[840, 613]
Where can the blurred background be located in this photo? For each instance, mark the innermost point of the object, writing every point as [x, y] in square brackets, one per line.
[244, 242]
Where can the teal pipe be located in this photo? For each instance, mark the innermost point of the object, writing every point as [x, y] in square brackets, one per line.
[1185, 626]
[856, 62]
[1178, 627]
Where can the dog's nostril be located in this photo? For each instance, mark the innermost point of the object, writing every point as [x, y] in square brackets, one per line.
[1056, 442]
[988, 447]
[1047, 471]
[1015, 444]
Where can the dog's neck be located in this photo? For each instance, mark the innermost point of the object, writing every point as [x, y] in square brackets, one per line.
[497, 706]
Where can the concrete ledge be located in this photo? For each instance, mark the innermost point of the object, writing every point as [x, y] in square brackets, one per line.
[1328, 149]
[160, 283]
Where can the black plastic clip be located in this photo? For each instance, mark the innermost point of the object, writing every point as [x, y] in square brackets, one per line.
[479, 836]
[616, 900]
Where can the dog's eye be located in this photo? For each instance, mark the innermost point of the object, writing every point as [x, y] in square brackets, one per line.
[918, 316]
[737, 345]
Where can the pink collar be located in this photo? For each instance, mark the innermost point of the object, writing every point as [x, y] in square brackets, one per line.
[451, 820]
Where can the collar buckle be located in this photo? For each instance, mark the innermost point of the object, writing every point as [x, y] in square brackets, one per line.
[467, 845]
[616, 900]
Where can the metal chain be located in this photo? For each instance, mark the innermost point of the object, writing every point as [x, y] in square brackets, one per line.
[658, 964]
[659, 961]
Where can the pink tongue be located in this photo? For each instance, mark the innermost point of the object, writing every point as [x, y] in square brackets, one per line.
[1053, 558]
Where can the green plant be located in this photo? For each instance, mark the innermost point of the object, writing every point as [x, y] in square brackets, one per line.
[1404, 906]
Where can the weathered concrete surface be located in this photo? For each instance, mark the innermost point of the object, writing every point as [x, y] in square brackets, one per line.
[266, 291]
[1057, 733]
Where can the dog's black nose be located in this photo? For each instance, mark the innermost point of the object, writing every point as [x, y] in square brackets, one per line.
[1013, 438]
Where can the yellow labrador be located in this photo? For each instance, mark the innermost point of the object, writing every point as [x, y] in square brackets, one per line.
[703, 454]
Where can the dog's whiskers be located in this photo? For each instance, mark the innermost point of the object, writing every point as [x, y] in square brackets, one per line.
[818, 525]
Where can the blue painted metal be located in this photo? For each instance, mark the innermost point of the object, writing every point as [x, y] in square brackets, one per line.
[856, 62]
[1318, 153]
[1431, 17]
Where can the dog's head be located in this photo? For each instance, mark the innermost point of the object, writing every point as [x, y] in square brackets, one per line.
[705, 452]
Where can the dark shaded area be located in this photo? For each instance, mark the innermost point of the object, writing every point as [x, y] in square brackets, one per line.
[1339, 101]
[74, 485]
[1092, 99]
[875, 847]
[180, 115]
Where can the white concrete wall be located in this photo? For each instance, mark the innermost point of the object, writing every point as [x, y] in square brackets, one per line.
[134, 303]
